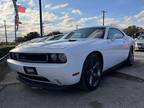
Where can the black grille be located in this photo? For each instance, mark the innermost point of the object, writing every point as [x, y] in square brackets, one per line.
[36, 57]
[29, 57]
[33, 58]
[140, 44]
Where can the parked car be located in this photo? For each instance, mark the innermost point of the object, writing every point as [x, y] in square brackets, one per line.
[139, 43]
[80, 58]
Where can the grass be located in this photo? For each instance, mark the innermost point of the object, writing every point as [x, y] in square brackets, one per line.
[5, 50]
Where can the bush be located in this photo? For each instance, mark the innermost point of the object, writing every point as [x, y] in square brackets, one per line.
[28, 37]
[31, 36]
[54, 33]
[5, 50]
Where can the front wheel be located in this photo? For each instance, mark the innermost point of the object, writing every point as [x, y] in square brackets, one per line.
[92, 72]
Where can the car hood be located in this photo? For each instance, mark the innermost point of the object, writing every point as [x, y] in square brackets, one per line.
[58, 43]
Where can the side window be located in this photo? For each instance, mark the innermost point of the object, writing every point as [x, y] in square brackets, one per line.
[98, 33]
[114, 32]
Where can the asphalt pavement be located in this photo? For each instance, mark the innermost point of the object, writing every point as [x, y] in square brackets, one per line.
[122, 88]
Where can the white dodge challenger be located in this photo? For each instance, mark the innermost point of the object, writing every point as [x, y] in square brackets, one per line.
[80, 58]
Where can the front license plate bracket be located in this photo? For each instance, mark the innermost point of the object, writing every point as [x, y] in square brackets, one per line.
[30, 70]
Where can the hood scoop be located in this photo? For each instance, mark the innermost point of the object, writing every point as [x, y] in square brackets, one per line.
[72, 40]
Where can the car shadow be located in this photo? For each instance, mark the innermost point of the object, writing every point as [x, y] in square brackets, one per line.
[71, 90]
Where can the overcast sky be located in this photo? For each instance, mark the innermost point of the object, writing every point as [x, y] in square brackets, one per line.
[64, 15]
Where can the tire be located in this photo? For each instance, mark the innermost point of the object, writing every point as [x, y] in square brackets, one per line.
[91, 73]
[130, 59]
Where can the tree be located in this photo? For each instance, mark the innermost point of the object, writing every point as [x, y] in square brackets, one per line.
[31, 35]
[20, 39]
[133, 31]
[54, 33]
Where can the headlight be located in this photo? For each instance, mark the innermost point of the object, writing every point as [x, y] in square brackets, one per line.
[62, 58]
[14, 56]
[10, 55]
[58, 58]
[53, 57]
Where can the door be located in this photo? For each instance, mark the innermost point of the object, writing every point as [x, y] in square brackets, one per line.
[115, 47]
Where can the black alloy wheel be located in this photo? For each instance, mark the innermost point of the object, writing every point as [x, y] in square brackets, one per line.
[92, 72]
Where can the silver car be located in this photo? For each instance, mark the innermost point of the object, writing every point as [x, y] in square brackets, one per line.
[139, 43]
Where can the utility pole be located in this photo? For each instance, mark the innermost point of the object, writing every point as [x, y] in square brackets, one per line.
[103, 13]
[5, 31]
[40, 13]
[77, 26]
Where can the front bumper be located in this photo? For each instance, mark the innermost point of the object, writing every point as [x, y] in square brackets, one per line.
[32, 82]
[59, 74]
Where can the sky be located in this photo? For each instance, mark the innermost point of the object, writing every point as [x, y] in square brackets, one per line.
[64, 15]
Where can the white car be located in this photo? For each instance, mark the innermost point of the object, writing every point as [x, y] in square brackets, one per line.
[139, 43]
[80, 58]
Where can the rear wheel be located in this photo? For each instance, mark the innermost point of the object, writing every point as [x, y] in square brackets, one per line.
[92, 72]
[130, 59]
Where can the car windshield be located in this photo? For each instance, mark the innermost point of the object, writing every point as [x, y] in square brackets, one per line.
[141, 37]
[87, 33]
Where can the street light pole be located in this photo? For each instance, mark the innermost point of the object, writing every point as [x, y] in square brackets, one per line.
[40, 13]
[5, 31]
[103, 13]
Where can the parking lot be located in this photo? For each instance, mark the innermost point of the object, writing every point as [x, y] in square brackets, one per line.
[122, 88]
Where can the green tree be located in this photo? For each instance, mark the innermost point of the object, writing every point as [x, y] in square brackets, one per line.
[20, 39]
[28, 37]
[54, 33]
[132, 31]
[31, 35]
